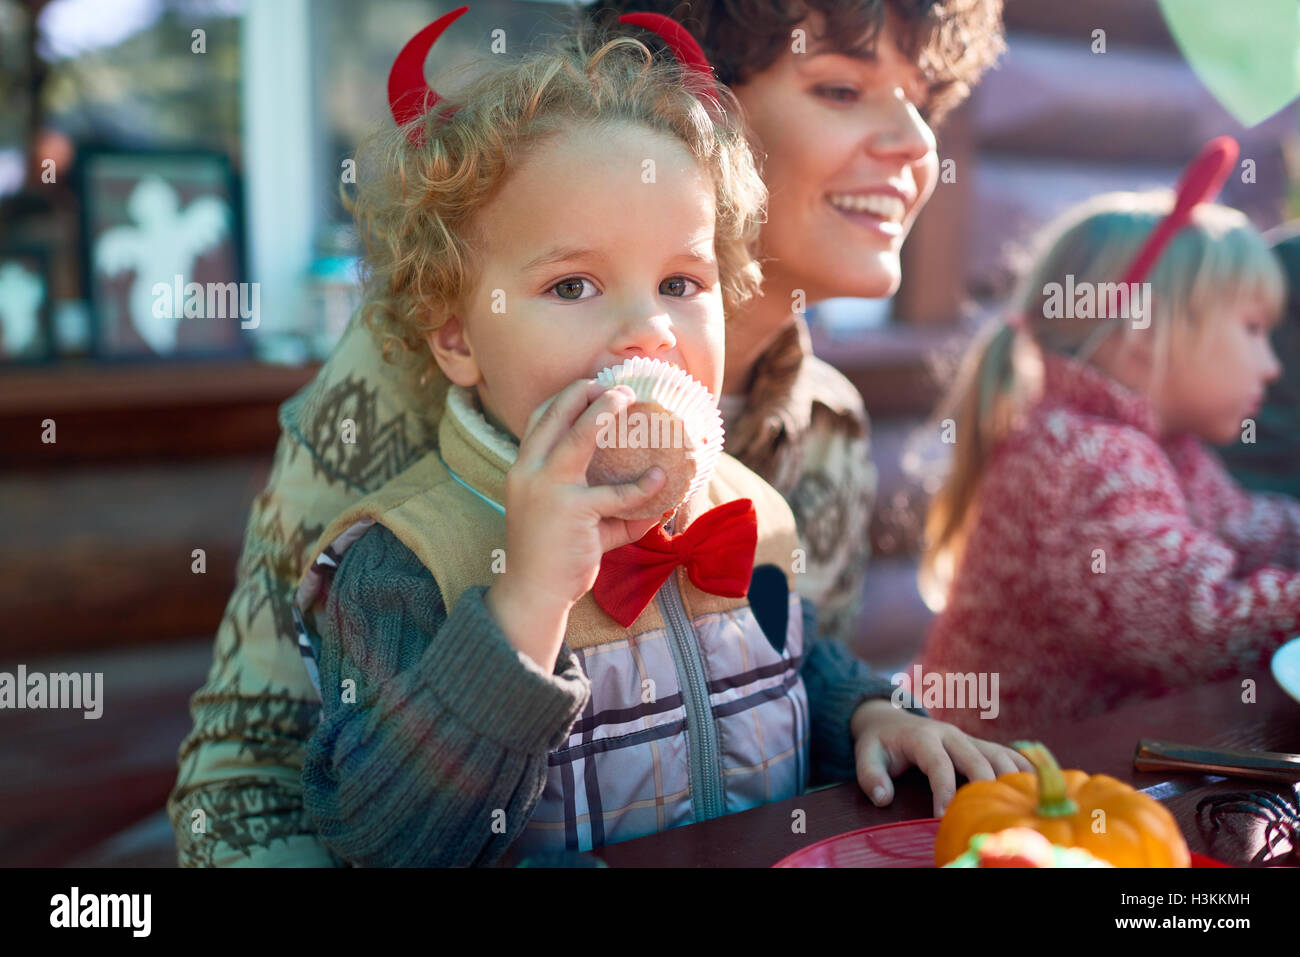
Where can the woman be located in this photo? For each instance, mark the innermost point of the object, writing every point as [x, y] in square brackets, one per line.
[849, 162]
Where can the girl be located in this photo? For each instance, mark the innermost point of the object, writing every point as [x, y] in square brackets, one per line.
[863, 121]
[476, 691]
[1086, 547]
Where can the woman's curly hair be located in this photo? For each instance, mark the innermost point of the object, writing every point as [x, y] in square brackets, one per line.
[415, 206]
[952, 41]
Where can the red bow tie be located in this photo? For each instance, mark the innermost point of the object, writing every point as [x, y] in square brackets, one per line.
[717, 550]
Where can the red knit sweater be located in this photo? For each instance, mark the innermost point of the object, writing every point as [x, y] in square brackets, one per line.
[1200, 578]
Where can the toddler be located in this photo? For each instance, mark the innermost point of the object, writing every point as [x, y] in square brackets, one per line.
[567, 213]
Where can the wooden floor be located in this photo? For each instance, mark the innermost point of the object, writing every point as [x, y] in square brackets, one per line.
[90, 791]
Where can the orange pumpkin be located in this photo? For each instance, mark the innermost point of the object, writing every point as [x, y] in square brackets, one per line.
[1131, 830]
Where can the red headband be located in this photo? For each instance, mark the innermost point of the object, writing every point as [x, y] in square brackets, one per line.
[1200, 182]
[410, 96]
[684, 47]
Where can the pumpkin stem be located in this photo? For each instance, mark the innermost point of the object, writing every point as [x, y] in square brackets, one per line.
[1052, 799]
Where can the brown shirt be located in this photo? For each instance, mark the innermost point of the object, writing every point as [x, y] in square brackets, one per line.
[802, 426]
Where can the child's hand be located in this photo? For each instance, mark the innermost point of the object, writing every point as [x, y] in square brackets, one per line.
[557, 527]
[888, 740]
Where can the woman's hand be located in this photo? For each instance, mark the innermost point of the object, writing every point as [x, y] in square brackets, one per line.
[888, 740]
[558, 527]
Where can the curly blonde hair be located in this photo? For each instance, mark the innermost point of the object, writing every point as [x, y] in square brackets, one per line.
[415, 205]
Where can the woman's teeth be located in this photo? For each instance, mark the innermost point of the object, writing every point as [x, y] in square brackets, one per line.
[877, 204]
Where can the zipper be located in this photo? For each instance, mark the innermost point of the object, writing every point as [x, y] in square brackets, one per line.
[706, 780]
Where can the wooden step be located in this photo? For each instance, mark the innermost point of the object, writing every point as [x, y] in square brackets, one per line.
[1053, 97]
[102, 557]
[1133, 22]
[130, 411]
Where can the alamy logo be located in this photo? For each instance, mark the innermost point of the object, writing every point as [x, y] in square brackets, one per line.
[210, 300]
[947, 690]
[1098, 300]
[639, 430]
[56, 690]
[102, 910]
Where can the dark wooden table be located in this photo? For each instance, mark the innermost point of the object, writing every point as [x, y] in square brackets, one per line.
[1212, 715]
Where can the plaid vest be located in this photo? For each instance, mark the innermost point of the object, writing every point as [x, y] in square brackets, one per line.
[696, 710]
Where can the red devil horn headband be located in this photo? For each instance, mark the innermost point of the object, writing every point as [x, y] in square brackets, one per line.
[683, 45]
[410, 96]
[1200, 183]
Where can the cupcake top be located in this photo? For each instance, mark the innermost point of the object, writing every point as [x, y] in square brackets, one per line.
[673, 422]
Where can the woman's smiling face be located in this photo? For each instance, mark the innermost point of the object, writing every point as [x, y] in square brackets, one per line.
[849, 162]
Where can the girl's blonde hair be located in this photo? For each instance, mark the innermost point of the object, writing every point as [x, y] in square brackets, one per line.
[1212, 265]
[415, 205]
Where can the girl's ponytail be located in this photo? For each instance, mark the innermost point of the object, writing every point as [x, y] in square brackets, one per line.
[997, 379]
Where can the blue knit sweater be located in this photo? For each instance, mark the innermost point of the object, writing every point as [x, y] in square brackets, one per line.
[445, 718]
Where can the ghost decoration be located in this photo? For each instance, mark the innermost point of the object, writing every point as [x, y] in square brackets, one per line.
[21, 294]
[164, 242]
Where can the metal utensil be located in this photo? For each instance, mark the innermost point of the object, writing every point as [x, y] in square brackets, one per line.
[1262, 765]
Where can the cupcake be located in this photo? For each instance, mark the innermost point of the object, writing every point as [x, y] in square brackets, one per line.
[673, 423]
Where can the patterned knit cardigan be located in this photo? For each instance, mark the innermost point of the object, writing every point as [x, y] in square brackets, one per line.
[1105, 565]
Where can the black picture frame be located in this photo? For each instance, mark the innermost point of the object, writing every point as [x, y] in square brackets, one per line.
[208, 251]
[37, 341]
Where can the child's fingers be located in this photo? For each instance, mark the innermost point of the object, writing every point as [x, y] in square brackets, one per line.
[968, 757]
[928, 753]
[615, 532]
[1003, 759]
[873, 775]
[572, 452]
[550, 420]
[636, 530]
[558, 401]
[612, 500]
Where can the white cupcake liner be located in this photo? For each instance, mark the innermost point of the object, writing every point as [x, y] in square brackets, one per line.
[676, 392]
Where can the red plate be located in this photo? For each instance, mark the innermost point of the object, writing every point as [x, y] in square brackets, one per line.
[901, 844]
